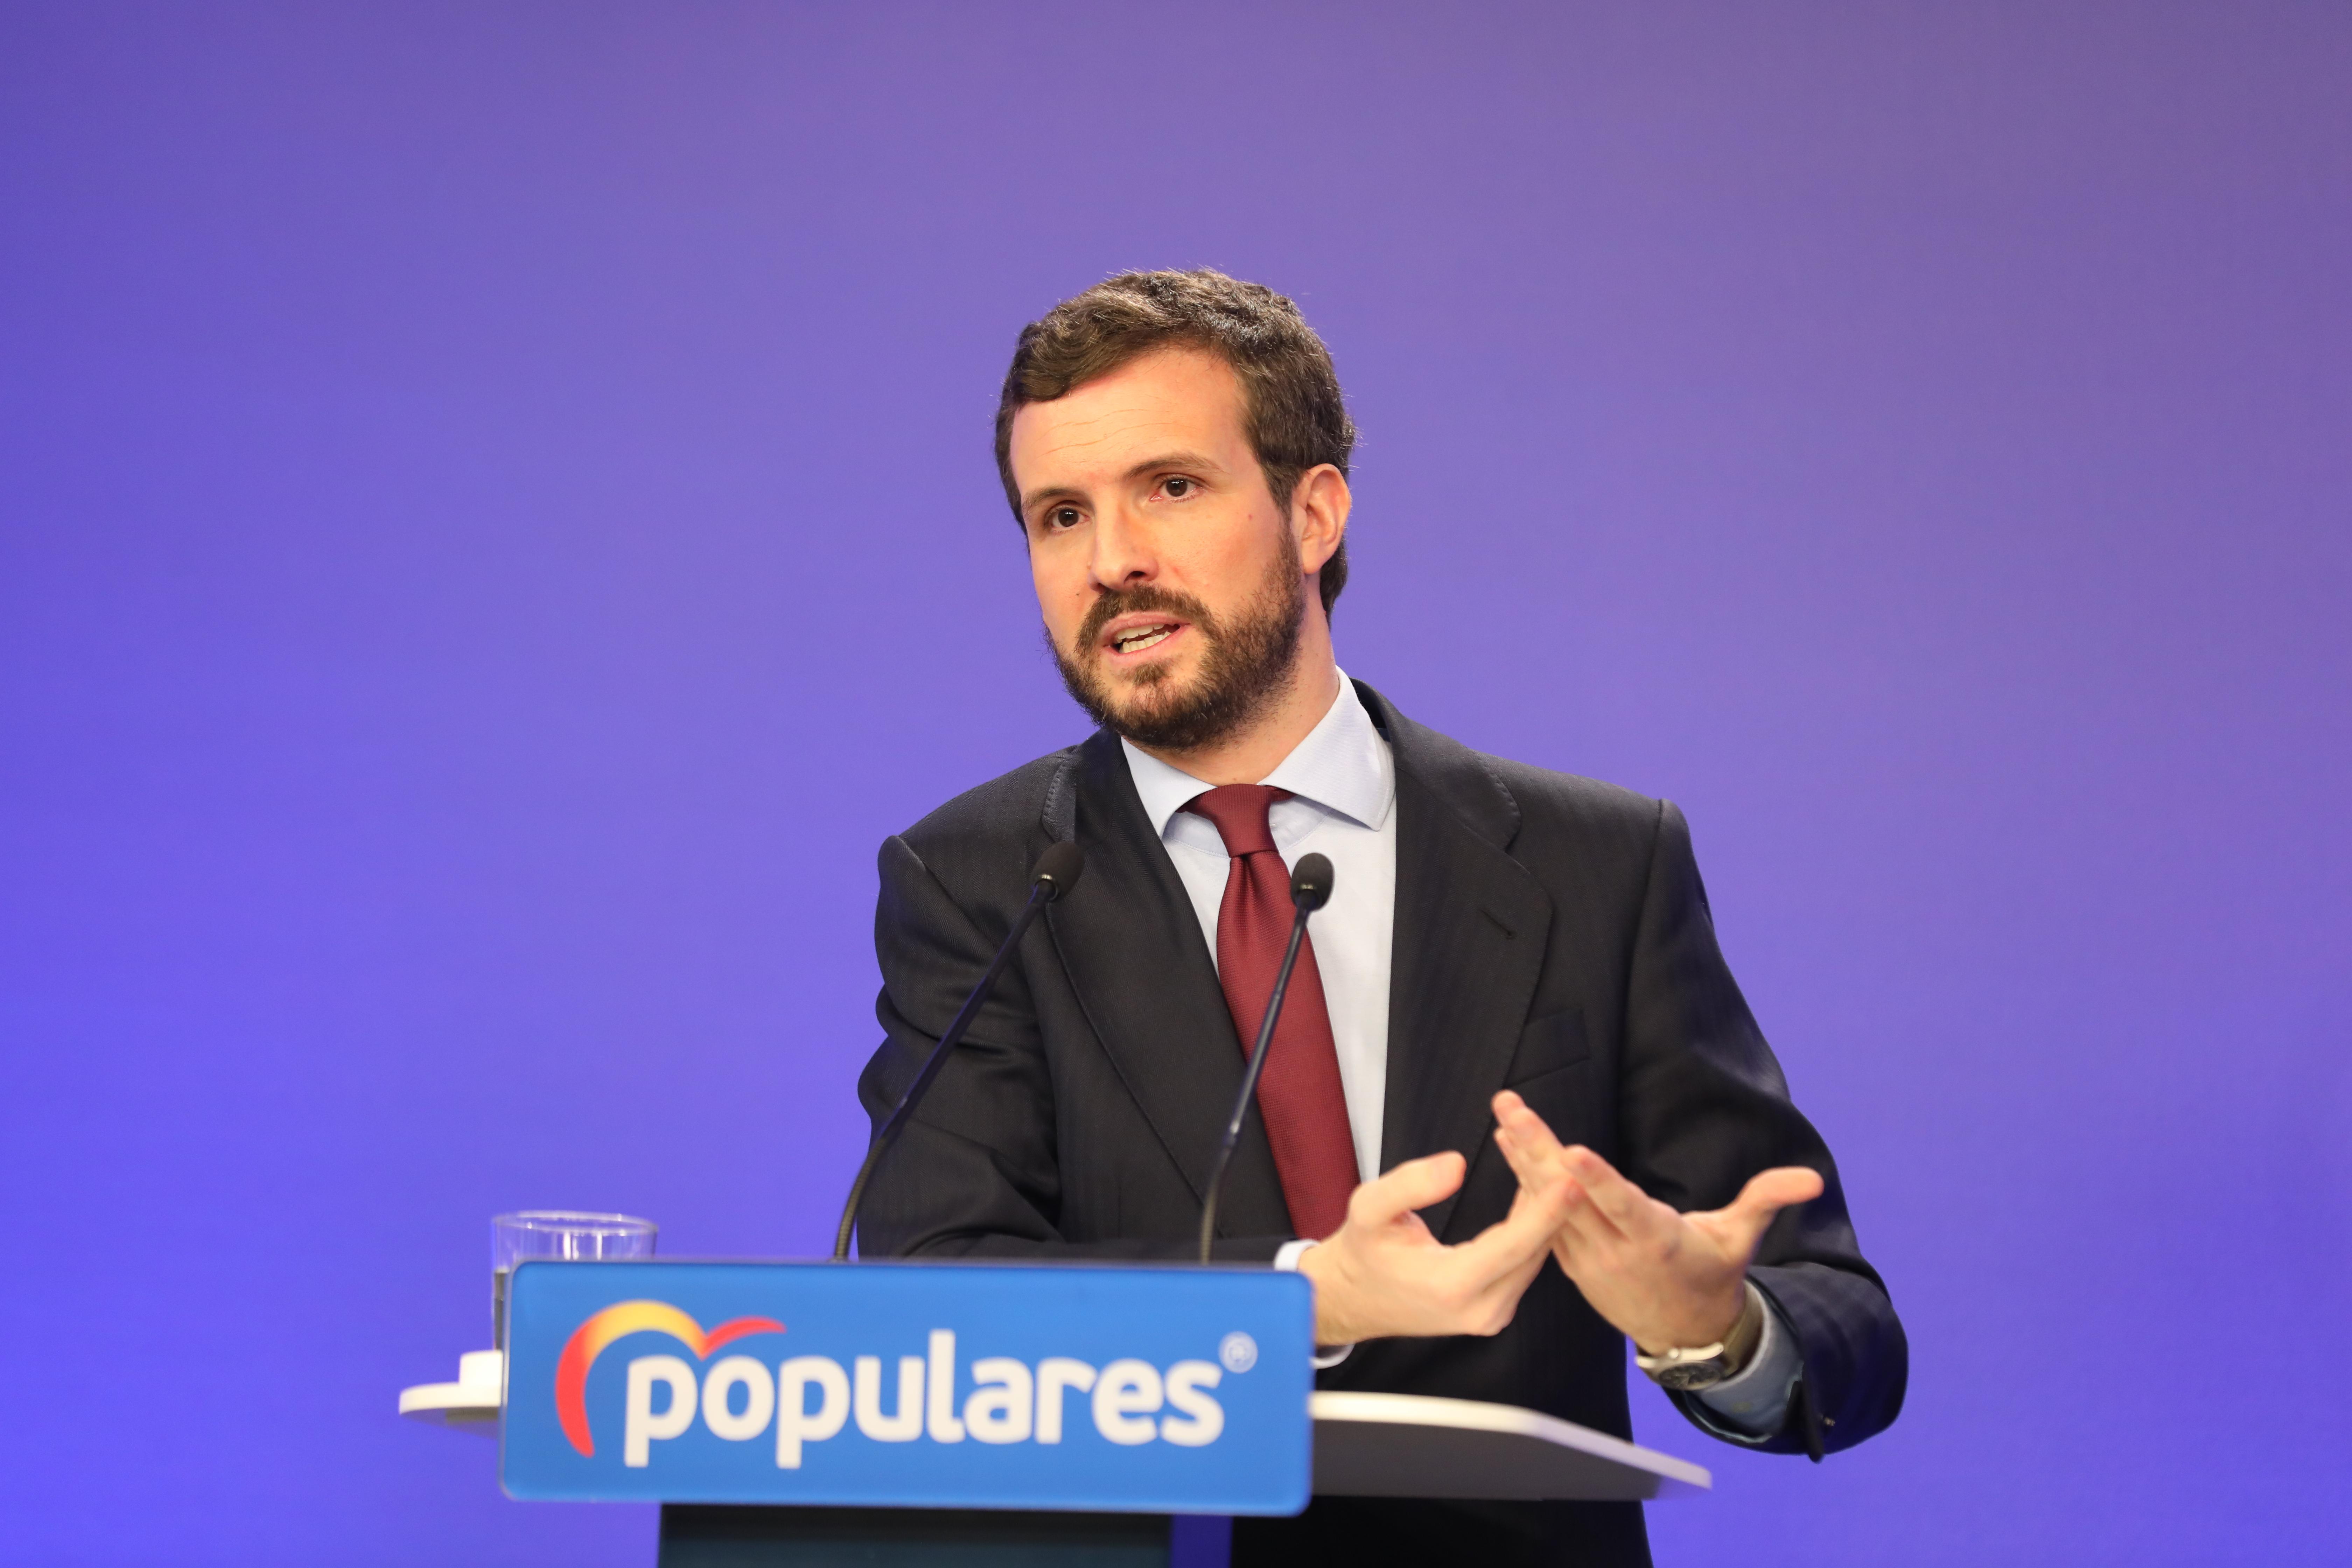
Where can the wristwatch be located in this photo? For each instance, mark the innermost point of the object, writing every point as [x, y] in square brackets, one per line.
[1690, 1370]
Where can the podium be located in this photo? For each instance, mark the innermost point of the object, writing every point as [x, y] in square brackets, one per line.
[920, 1413]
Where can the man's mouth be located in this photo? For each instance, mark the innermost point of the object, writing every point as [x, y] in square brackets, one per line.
[1136, 639]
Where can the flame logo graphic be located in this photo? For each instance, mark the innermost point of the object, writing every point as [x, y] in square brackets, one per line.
[588, 1340]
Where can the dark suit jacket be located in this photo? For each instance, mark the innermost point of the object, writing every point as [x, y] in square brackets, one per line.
[1552, 937]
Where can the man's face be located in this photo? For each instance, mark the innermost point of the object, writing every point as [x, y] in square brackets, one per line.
[1170, 582]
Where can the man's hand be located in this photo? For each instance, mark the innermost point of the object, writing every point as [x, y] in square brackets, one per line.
[1662, 1279]
[1382, 1273]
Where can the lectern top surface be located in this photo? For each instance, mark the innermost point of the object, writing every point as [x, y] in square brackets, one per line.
[1403, 1445]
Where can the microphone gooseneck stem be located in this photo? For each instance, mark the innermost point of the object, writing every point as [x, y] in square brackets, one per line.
[1040, 894]
[1249, 1081]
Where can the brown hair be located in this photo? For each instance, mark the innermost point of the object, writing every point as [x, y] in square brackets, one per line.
[1294, 414]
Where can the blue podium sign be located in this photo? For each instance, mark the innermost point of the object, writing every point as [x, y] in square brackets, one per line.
[1147, 1390]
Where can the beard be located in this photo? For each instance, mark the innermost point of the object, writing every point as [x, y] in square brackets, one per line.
[1245, 662]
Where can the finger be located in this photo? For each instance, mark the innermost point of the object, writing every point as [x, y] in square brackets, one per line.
[1593, 1233]
[1781, 1186]
[1578, 1211]
[1415, 1185]
[1528, 1145]
[1493, 1304]
[1765, 1195]
[1524, 1233]
[1574, 1250]
[1513, 1115]
[1547, 1185]
[1530, 1167]
[1535, 1215]
[1617, 1200]
[1493, 1307]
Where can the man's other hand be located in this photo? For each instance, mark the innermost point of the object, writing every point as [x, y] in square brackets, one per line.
[1664, 1279]
[1382, 1273]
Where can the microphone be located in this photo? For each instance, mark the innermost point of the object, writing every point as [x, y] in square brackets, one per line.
[1056, 872]
[1310, 889]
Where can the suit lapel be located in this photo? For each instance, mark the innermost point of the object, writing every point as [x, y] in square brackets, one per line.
[1134, 952]
[1471, 931]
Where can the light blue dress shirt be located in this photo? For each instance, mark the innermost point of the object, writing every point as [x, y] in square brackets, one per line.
[1342, 785]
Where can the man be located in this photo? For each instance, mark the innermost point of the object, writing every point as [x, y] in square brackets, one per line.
[1517, 1112]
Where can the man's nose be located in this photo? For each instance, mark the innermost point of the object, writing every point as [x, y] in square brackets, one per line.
[1123, 554]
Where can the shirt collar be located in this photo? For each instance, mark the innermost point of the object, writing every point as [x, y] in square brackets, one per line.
[1342, 765]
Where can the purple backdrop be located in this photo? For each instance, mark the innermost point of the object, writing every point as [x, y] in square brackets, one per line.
[498, 525]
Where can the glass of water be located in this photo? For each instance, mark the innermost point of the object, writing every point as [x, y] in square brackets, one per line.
[558, 1232]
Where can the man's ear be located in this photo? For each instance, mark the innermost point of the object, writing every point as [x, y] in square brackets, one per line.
[1319, 515]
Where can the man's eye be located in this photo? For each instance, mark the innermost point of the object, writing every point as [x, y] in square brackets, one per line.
[1062, 517]
[1177, 488]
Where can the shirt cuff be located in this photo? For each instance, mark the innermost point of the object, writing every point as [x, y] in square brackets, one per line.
[1287, 1262]
[1755, 1402]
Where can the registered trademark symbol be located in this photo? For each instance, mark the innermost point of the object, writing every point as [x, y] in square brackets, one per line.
[1238, 1352]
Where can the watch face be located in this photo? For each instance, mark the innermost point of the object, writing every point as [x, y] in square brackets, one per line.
[1692, 1376]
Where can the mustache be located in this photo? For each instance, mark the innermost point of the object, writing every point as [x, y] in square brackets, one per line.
[1113, 603]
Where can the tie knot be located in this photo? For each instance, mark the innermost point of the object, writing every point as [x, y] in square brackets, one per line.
[1238, 813]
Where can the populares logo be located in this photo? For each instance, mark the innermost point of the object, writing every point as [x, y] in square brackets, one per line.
[588, 1340]
[740, 1397]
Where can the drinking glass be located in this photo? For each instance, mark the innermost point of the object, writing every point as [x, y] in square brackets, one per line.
[558, 1232]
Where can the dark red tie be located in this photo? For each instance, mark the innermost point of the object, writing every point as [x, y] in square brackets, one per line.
[1299, 1094]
